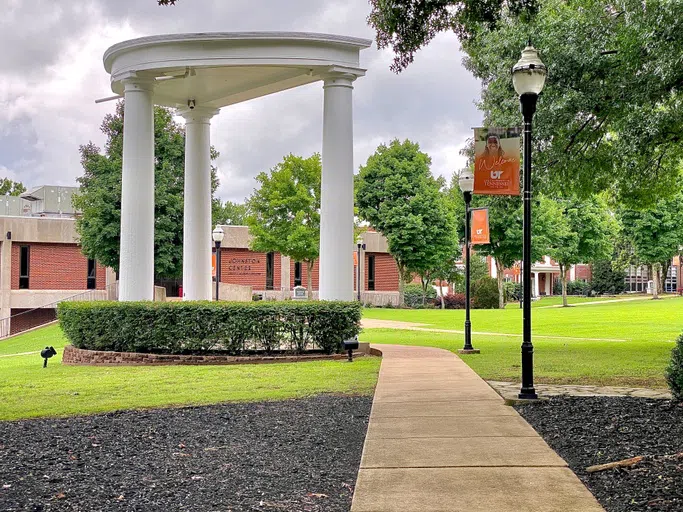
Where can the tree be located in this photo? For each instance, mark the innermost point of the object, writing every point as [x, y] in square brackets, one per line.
[397, 195]
[99, 197]
[228, 213]
[605, 279]
[505, 228]
[656, 234]
[408, 25]
[584, 234]
[11, 188]
[285, 211]
[610, 114]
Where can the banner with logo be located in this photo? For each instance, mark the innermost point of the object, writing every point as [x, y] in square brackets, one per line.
[480, 226]
[496, 161]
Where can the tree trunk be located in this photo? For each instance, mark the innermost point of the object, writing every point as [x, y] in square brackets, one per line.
[425, 284]
[501, 284]
[309, 284]
[401, 287]
[664, 270]
[655, 280]
[443, 304]
[563, 277]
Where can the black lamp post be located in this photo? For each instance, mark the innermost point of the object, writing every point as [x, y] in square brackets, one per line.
[528, 77]
[361, 245]
[466, 182]
[217, 236]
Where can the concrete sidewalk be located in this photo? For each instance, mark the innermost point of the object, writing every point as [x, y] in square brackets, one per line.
[441, 439]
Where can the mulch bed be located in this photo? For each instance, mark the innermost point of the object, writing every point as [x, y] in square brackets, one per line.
[290, 455]
[587, 431]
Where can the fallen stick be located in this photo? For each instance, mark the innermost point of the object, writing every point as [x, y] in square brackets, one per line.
[611, 465]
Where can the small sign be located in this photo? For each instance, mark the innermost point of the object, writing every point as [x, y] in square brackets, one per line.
[299, 293]
[480, 226]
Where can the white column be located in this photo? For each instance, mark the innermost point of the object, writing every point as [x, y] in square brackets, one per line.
[336, 215]
[572, 273]
[536, 288]
[197, 210]
[136, 263]
[548, 278]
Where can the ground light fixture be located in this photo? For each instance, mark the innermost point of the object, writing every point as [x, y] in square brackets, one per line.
[528, 78]
[46, 354]
[361, 246]
[351, 345]
[466, 182]
[217, 236]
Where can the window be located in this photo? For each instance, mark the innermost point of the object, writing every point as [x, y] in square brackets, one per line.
[25, 256]
[371, 273]
[297, 273]
[92, 275]
[270, 270]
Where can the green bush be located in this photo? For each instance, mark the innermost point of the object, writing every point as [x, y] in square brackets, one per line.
[606, 280]
[513, 291]
[485, 293]
[181, 327]
[674, 372]
[412, 294]
[578, 287]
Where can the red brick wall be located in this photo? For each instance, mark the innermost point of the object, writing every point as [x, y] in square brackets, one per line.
[245, 267]
[386, 272]
[55, 267]
[26, 321]
[315, 275]
[583, 272]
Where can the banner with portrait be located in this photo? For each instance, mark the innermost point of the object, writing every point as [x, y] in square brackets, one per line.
[480, 226]
[496, 161]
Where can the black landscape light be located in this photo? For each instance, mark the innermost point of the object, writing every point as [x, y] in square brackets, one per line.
[47, 353]
[528, 77]
[350, 346]
[217, 236]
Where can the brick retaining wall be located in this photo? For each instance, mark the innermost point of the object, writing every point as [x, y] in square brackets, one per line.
[77, 356]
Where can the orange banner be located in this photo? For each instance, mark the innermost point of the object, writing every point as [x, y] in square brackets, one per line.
[355, 259]
[213, 264]
[480, 226]
[496, 161]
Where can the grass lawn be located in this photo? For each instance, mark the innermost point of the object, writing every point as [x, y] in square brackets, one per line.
[556, 300]
[28, 390]
[646, 329]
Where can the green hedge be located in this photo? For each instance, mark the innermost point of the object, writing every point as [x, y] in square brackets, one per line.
[674, 372]
[180, 327]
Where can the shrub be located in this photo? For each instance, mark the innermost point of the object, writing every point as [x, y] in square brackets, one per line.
[674, 372]
[578, 287]
[181, 327]
[513, 291]
[454, 301]
[606, 280]
[413, 298]
[485, 293]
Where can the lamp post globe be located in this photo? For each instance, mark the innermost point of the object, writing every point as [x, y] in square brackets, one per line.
[528, 78]
[217, 236]
[466, 183]
[360, 245]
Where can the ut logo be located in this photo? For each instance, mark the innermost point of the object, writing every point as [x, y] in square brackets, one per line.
[496, 174]
[480, 231]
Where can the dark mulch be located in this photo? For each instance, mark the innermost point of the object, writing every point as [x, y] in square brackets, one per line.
[292, 455]
[596, 430]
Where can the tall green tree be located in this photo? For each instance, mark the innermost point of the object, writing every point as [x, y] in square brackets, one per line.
[398, 196]
[11, 188]
[585, 234]
[99, 197]
[656, 235]
[505, 228]
[610, 114]
[284, 211]
[408, 25]
[228, 213]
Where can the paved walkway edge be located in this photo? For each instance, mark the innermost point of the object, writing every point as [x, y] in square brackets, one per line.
[441, 439]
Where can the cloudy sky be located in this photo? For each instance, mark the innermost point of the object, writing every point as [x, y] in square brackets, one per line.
[52, 73]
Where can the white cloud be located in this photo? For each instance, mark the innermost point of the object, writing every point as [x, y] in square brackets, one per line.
[55, 73]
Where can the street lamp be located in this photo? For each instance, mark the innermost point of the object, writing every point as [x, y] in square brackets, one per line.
[466, 182]
[217, 236]
[528, 77]
[361, 245]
